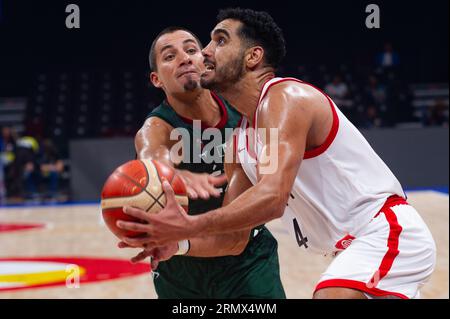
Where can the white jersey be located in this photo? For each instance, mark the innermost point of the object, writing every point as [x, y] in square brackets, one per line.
[339, 187]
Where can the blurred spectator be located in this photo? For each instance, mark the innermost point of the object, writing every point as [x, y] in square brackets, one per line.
[8, 139]
[2, 177]
[437, 114]
[338, 91]
[51, 167]
[376, 94]
[372, 118]
[376, 91]
[399, 102]
[388, 58]
[25, 169]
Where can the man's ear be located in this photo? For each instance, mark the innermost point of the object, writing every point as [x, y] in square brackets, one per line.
[154, 78]
[254, 56]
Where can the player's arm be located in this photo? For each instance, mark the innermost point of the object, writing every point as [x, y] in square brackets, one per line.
[232, 243]
[153, 141]
[289, 110]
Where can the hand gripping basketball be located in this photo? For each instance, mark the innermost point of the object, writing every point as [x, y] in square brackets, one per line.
[138, 183]
[171, 224]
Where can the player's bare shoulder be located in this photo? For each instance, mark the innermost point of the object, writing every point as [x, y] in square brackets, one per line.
[155, 128]
[292, 94]
[156, 123]
[290, 101]
[152, 136]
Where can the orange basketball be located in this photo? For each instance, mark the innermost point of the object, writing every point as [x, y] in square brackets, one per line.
[138, 183]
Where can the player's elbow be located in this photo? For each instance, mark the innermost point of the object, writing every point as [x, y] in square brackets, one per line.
[277, 204]
[138, 141]
[242, 239]
[239, 249]
[273, 199]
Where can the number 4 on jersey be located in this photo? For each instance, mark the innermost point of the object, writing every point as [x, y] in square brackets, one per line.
[301, 241]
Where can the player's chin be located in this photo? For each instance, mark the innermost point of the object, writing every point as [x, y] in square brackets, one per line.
[191, 84]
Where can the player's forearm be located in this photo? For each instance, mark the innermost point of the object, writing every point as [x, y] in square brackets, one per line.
[230, 244]
[258, 205]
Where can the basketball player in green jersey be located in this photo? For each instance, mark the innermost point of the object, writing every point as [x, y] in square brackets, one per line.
[249, 268]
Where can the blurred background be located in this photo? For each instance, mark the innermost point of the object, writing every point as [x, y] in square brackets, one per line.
[72, 99]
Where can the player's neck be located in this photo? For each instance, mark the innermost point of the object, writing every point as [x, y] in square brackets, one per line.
[196, 105]
[245, 94]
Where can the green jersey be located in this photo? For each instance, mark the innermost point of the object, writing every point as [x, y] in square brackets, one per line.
[254, 273]
[205, 155]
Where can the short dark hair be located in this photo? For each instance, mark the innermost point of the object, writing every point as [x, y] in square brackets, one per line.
[171, 29]
[258, 28]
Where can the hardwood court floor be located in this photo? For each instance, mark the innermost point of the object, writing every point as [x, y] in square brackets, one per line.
[77, 231]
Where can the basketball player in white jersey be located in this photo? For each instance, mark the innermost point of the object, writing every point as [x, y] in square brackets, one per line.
[335, 195]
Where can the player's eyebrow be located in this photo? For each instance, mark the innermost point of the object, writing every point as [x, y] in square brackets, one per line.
[170, 46]
[218, 31]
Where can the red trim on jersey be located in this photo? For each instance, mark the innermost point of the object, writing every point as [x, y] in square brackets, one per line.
[334, 128]
[391, 202]
[358, 285]
[386, 262]
[394, 234]
[330, 138]
[223, 112]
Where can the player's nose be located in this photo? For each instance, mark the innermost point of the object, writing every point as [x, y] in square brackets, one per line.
[207, 51]
[185, 59]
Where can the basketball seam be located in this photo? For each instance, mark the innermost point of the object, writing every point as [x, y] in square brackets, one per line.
[160, 181]
[156, 202]
[137, 184]
[142, 187]
[170, 182]
[146, 173]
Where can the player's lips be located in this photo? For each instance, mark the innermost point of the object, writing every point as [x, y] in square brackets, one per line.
[209, 66]
[183, 73]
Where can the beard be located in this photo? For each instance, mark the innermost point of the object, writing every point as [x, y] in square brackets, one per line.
[191, 84]
[225, 76]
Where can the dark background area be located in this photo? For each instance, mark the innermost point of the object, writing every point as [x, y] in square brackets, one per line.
[118, 34]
